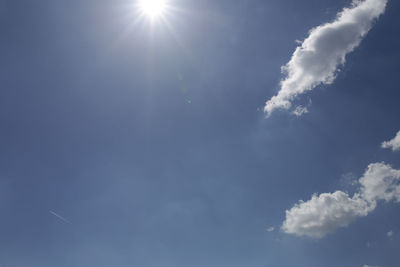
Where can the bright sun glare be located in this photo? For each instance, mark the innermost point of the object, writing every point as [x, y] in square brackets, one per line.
[153, 8]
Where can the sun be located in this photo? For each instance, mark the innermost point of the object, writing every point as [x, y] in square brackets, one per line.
[153, 8]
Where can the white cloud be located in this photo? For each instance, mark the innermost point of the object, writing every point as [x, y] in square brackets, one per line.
[271, 229]
[393, 144]
[381, 182]
[370, 266]
[317, 59]
[325, 213]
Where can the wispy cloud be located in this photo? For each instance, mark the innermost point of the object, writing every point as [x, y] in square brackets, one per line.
[393, 144]
[327, 212]
[390, 234]
[271, 229]
[317, 59]
[299, 111]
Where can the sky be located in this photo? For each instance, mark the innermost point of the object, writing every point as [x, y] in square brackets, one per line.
[244, 133]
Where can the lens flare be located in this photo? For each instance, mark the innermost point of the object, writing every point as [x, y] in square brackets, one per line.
[153, 8]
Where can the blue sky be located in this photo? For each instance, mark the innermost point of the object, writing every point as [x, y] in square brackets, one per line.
[150, 142]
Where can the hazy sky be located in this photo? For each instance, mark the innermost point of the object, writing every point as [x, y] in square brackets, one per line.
[237, 133]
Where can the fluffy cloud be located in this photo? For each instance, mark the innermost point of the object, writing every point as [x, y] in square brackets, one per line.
[393, 144]
[325, 213]
[381, 182]
[317, 59]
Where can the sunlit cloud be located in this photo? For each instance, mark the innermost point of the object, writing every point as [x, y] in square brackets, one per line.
[325, 213]
[317, 59]
[393, 144]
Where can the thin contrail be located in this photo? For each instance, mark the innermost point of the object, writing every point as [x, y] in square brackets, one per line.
[59, 217]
